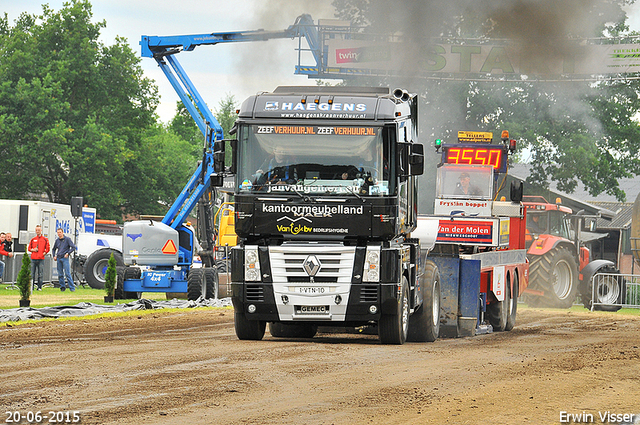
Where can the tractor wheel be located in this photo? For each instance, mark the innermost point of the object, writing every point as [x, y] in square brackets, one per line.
[196, 284]
[513, 304]
[556, 273]
[211, 274]
[122, 274]
[288, 330]
[609, 290]
[498, 311]
[96, 266]
[424, 325]
[393, 328]
[248, 329]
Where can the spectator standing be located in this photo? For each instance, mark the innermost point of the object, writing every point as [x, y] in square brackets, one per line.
[38, 247]
[3, 252]
[8, 242]
[62, 248]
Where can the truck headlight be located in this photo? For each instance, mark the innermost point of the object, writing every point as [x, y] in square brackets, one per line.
[372, 265]
[251, 264]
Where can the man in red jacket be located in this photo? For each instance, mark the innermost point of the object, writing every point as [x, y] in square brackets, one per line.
[38, 247]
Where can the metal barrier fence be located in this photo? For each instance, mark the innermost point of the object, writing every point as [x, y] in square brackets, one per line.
[615, 290]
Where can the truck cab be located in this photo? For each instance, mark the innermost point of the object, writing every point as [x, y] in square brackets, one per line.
[325, 200]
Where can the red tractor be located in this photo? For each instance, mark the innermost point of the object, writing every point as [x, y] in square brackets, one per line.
[559, 264]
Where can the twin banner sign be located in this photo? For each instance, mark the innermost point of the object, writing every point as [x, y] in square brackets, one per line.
[569, 59]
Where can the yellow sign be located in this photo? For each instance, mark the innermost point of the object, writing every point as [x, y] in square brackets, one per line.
[475, 136]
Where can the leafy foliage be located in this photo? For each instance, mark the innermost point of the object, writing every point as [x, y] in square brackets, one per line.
[77, 118]
[110, 276]
[568, 131]
[23, 281]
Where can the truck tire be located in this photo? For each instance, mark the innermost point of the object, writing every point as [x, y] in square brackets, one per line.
[222, 266]
[211, 274]
[498, 311]
[289, 330]
[424, 325]
[609, 290]
[196, 284]
[96, 266]
[123, 273]
[252, 330]
[394, 328]
[556, 273]
[513, 303]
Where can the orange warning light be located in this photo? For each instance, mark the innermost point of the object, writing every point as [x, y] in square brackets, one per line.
[169, 248]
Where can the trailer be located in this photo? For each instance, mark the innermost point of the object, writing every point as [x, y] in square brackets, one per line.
[20, 218]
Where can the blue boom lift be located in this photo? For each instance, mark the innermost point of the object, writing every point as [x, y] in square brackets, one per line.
[165, 249]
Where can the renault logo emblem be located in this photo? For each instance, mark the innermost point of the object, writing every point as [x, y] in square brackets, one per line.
[311, 265]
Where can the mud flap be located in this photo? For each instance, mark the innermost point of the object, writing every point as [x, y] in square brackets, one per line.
[460, 288]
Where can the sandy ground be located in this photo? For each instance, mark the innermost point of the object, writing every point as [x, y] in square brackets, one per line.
[189, 368]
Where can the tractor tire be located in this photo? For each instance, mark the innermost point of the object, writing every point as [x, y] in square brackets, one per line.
[424, 325]
[289, 330]
[196, 284]
[394, 328]
[252, 330]
[96, 266]
[123, 273]
[513, 303]
[609, 290]
[211, 274]
[555, 273]
[222, 266]
[498, 311]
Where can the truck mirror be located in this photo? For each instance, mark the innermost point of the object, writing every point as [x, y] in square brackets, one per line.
[218, 156]
[416, 159]
[517, 188]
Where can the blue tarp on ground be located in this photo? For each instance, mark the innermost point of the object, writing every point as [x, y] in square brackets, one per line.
[86, 309]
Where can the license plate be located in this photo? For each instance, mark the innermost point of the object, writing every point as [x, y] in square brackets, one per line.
[312, 309]
[311, 290]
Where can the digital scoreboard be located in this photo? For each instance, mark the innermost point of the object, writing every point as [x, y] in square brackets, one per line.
[493, 155]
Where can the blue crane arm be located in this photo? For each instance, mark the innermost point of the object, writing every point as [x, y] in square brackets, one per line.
[163, 50]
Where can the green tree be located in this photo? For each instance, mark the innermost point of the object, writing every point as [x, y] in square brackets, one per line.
[183, 125]
[77, 118]
[575, 131]
[110, 277]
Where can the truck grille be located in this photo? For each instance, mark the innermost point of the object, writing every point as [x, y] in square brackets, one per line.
[255, 293]
[368, 294]
[288, 260]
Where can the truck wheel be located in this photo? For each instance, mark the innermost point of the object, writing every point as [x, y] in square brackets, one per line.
[498, 311]
[513, 304]
[123, 273]
[289, 330]
[96, 266]
[609, 290]
[393, 328]
[211, 274]
[118, 293]
[248, 329]
[424, 325]
[196, 284]
[222, 266]
[556, 273]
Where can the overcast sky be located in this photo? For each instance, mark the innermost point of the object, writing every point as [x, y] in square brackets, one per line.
[241, 69]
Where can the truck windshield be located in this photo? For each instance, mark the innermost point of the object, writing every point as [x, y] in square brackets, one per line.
[323, 160]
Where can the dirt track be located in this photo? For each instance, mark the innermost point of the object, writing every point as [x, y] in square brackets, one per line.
[189, 368]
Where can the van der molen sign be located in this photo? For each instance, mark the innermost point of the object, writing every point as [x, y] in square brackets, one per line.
[468, 58]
